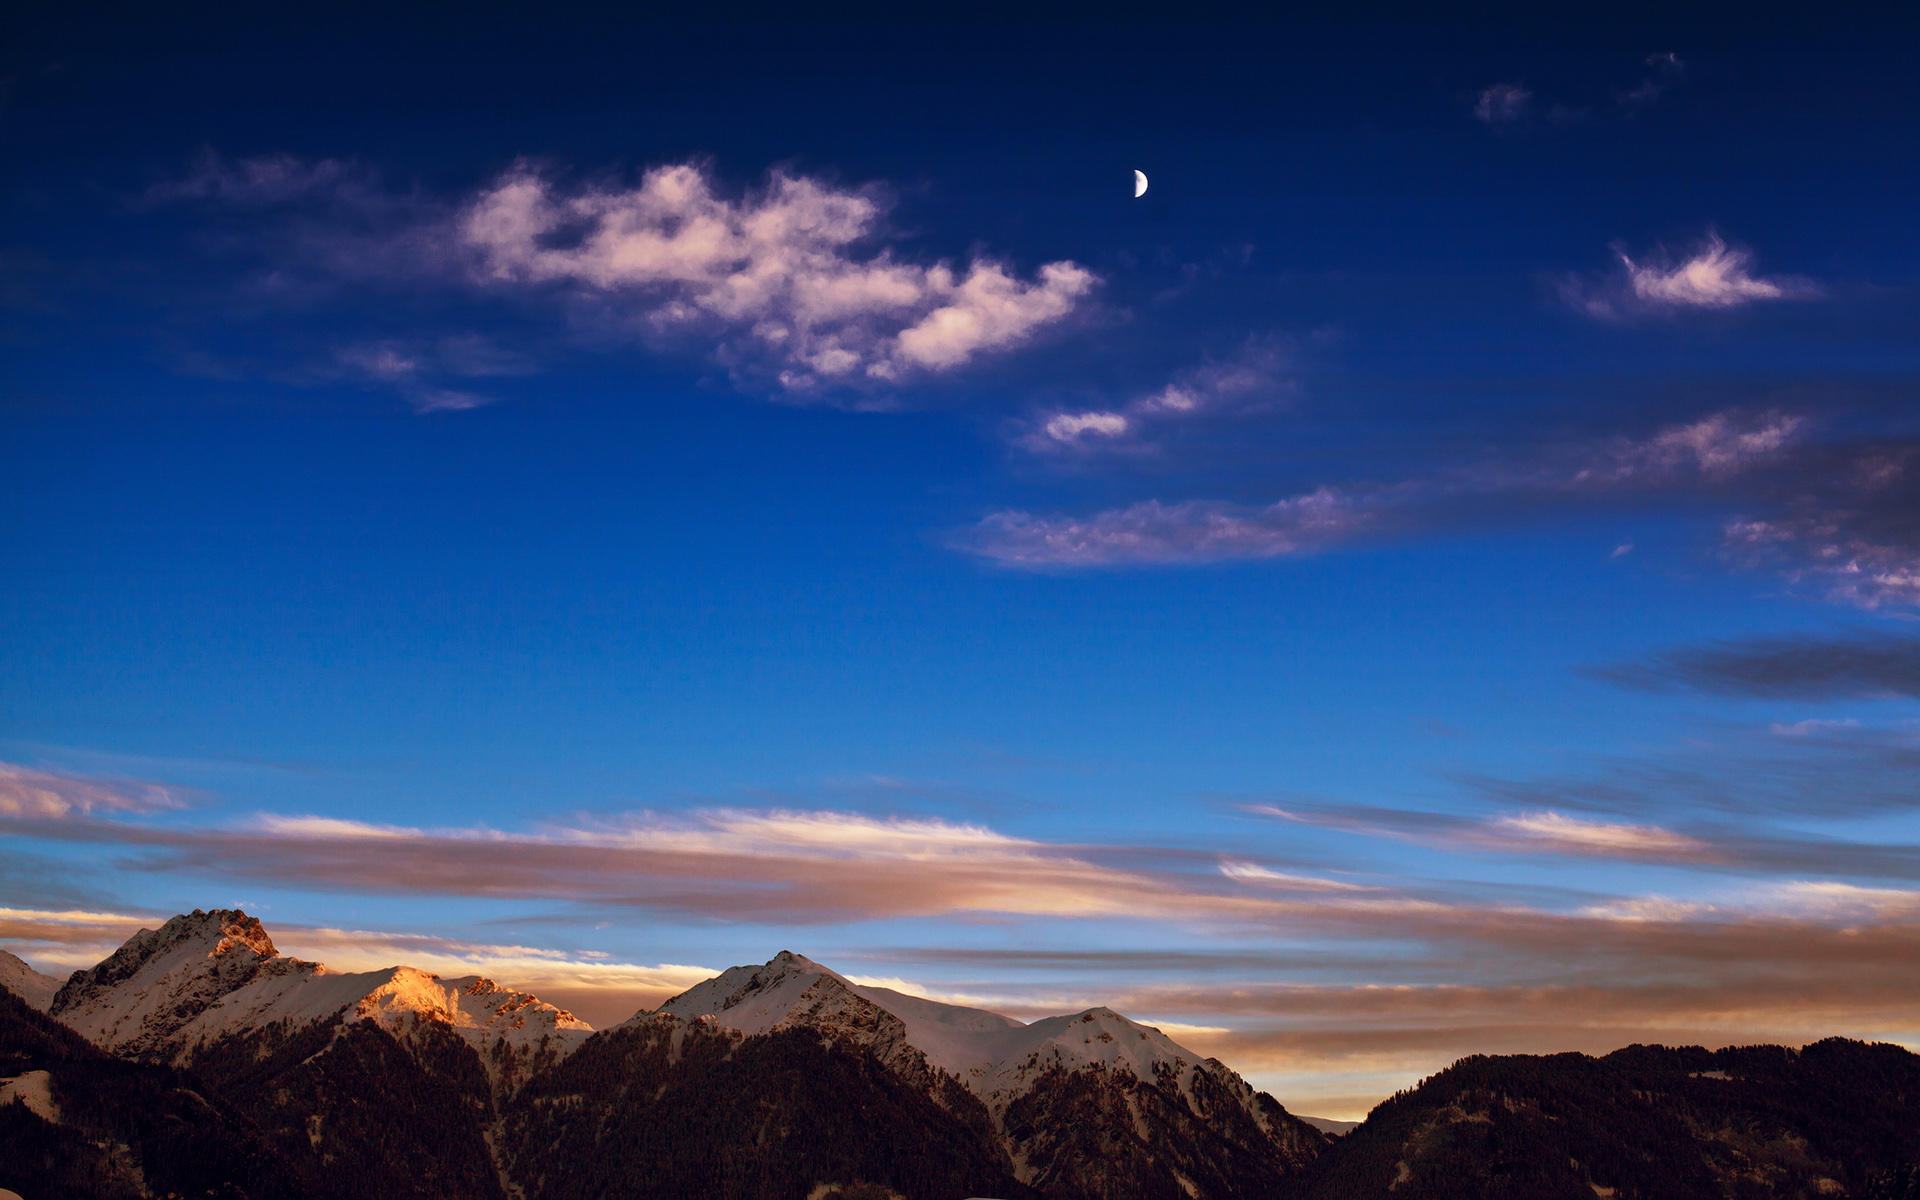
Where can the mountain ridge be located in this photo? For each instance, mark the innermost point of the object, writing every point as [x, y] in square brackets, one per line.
[211, 1059]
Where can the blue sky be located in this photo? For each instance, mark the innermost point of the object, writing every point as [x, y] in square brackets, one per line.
[599, 500]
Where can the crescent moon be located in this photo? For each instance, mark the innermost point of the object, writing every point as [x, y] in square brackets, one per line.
[1139, 184]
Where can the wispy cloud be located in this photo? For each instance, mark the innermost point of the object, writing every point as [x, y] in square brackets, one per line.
[68, 939]
[1152, 532]
[1579, 835]
[1712, 276]
[420, 372]
[1665, 71]
[1710, 450]
[1799, 667]
[271, 179]
[1251, 378]
[1503, 104]
[25, 792]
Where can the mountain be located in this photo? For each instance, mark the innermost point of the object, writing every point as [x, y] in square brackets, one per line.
[79, 1124]
[25, 982]
[1088, 1104]
[213, 1065]
[203, 978]
[662, 1108]
[1838, 1118]
[379, 1083]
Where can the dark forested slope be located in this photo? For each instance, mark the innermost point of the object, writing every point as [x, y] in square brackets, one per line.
[1839, 1118]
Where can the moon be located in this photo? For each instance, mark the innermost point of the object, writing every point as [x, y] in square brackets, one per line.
[1139, 184]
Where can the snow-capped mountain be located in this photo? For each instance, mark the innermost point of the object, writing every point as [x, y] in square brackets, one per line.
[413, 1084]
[1094, 1070]
[170, 993]
[25, 982]
[996, 1057]
[393, 1077]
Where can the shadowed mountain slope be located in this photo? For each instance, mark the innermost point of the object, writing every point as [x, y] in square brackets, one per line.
[1643, 1123]
[79, 1124]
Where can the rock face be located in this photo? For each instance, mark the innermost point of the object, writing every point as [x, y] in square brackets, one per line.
[25, 982]
[1090, 1104]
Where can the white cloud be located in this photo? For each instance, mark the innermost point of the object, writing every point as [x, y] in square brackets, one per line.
[1556, 831]
[1714, 276]
[1820, 547]
[1246, 872]
[777, 274]
[328, 827]
[1718, 445]
[1069, 427]
[1248, 378]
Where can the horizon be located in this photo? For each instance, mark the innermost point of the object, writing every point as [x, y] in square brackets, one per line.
[575, 499]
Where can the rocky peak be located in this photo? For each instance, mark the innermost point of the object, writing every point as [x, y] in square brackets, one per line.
[226, 945]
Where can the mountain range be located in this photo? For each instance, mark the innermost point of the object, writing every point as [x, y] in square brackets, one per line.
[197, 1059]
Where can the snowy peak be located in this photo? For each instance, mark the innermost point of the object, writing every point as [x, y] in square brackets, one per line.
[162, 979]
[207, 976]
[228, 939]
[469, 1004]
[788, 989]
[25, 982]
[1102, 1037]
[995, 1056]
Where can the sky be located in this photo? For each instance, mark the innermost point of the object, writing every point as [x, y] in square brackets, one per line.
[594, 499]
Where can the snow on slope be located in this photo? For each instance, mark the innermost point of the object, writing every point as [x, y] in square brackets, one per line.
[34, 1089]
[25, 982]
[205, 976]
[996, 1057]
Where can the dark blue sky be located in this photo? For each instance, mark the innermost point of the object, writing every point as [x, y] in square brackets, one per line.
[610, 498]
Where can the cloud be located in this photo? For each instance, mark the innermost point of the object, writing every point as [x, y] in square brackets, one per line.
[68, 938]
[1710, 450]
[265, 181]
[1246, 872]
[777, 275]
[1719, 445]
[1069, 428]
[1714, 276]
[1248, 379]
[1556, 831]
[1667, 71]
[1798, 667]
[789, 284]
[1503, 104]
[1853, 566]
[1152, 532]
[417, 371]
[1750, 847]
[25, 792]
